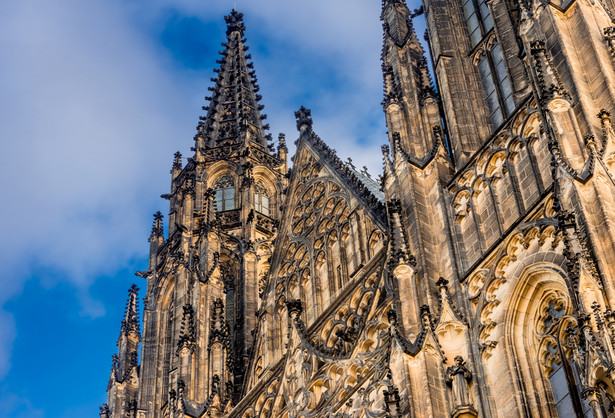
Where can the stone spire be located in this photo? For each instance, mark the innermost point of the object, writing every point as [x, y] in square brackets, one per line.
[410, 101]
[234, 112]
[130, 323]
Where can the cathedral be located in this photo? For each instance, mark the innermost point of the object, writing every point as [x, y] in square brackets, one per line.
[472, 279]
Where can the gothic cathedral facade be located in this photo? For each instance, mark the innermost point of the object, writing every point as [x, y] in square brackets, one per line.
[476, 277]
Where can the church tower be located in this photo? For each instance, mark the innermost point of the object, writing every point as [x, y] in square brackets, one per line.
[205, 280]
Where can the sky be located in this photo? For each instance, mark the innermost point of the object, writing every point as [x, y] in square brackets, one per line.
[96, 96]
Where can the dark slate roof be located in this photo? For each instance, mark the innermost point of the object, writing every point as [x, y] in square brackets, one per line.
[372, 185]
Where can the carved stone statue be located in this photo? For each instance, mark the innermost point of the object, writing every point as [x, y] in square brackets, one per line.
[458, 376]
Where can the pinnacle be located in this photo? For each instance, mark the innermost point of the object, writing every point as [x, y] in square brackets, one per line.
[234, 112]
[304, 118]
[157, 227]
[397, 21]
[399, 34]
[234, 22]
[387, 2]
[131, 315]
[177, 161]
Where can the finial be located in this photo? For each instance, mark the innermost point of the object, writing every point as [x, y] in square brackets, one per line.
[282, 142]
[304, 118]
[295, 307]
[349, 162]
[157, 228]
[177, 161]
[385, 150]
[442, 284]
[234, 23]
[604, 116]
[392, 317]
[131, 317]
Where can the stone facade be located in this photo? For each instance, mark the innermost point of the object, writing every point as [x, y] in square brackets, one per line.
[473, 279]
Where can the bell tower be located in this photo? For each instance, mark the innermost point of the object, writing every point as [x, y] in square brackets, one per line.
[204, 280]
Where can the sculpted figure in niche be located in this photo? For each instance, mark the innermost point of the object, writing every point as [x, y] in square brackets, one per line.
[459, 376]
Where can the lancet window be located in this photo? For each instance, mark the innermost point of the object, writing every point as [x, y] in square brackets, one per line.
[225, 194]
[261, 199]
[554, 362]
[230, 310]
[564, 372]
[489, 60]
[558, 334]
[167, 349]
[496, 83]
[564, 383]
[478, 19]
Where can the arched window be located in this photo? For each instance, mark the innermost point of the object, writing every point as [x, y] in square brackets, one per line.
[225, 194]
[261, 199]
[490, 63]
[547, 328]
[555, 357]
[548, 331]
[496, 83]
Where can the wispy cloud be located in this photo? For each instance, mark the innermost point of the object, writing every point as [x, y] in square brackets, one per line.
[15, 406]
[89, 117]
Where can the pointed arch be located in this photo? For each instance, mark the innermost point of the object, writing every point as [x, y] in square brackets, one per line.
[224, 197]
[538, 316]
[262, 199]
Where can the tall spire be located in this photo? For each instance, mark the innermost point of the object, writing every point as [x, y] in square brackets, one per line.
[234, 112]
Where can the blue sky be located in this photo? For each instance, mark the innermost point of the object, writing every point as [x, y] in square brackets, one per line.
[96, 97]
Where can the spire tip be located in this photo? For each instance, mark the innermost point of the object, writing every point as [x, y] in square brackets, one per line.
[234, 23]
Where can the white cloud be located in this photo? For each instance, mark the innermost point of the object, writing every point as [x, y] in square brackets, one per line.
[86, 111]
[89, 121]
